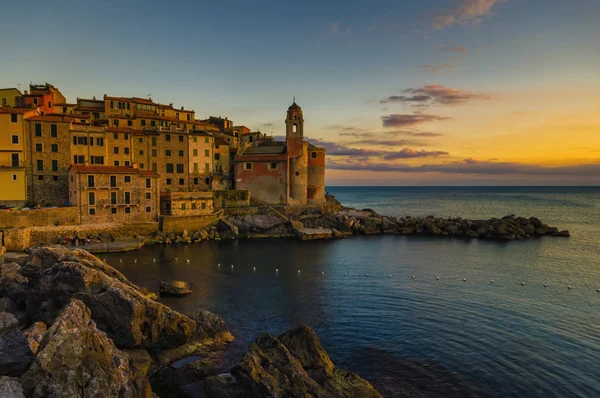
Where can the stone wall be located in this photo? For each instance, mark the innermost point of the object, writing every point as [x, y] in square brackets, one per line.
[18, 239]
[39, 217]
[178, 224]
[231, 198]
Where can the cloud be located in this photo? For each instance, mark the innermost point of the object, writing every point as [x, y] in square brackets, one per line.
[467, 12]
[268, 125]
[405, 120]
[408, 153]
[389, 142]
[437, 68]
[458, 49]
[414, 133]
[471, 166]
[435, 94]
[357, 135]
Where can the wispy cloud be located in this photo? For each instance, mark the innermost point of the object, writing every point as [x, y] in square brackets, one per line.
[435, 94]
[458, 49]
[408, 153]
[409, 120]
[467, 12]
[470, 166]
[437, 68]
[384, 142]
[414, 133]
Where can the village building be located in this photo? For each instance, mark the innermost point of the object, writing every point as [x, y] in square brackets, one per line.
[9, 97]
[114, 193]
[290, 172]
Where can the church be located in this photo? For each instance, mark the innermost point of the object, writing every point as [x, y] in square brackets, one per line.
[283, 173]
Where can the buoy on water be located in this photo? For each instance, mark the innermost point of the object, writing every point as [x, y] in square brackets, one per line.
[414, 277]
[464, 279]
[492, 281]
[298, 271]
[569, 287]
[188, 261]
[545, 285]
[322, 272]
[438, 278]
[153, 260]
[367, 275]
[390, 275]
[346, 274]
[176, 258]
[522, 283]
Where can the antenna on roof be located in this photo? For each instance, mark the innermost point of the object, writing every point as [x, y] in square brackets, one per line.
[150, 96]
[294, 98]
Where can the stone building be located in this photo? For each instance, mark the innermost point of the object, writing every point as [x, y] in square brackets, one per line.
[290, 172]
[13, 159]
[223, 165]
[114, 193]
[186, 203]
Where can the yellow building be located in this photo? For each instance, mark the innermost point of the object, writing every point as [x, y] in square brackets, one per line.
[8, 96]
[13, 156]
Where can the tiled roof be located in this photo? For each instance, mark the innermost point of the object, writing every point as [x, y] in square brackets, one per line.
[265, 150]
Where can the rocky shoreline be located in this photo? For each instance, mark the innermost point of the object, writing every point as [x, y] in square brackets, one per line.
[73, 326]
[316, 224]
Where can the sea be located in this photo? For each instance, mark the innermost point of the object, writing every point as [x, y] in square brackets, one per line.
[417, 316]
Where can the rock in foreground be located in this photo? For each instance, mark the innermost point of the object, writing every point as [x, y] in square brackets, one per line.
[75, 359]
[15, 354]
[292, 365]
[174, 288]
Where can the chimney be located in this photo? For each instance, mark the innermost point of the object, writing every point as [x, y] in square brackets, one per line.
[26, 92]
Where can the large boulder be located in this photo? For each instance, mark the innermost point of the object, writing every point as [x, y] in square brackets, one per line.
[15, 354]
[13, 283]
[293, 365]
[118, 307]
[174, 288]
[10, 387]
[212, 326]
[255, 223]
[75, 359]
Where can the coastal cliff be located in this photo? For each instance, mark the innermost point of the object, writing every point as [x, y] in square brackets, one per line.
[73, 326]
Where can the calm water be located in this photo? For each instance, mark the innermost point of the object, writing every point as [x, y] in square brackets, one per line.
[506, 339]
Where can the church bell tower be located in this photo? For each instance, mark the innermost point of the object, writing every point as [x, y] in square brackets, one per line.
[294, 123]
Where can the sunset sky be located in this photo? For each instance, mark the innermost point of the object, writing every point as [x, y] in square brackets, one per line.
[444, 92]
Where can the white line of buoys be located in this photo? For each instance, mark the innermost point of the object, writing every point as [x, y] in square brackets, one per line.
[522, 283]
[153, 260]
[298, 271]
[121, 260]
[231, 266]
[367, 275]
[276, 269]
[464, 279]
[569, 287]
[414, 277]
[322, 272]
[545, 285]
[135, 261]
[390, 275]
[254, 268]
[188, 261]
[346, 274]
[438, 278]
[492, 281]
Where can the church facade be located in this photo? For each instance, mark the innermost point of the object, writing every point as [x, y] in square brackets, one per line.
[288, 173]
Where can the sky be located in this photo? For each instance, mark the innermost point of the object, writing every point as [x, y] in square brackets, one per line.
[402, 92]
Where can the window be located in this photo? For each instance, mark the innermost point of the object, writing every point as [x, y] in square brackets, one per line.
[168, 181]
[148, 195]
[14, 159]
[251, 139]
[148, 183]
[127, 163]
[116, 150]
[177, 115]
[100, 141]
[141, 151]
[54, 178]
[195, 167]
[38, 130]
[143, 122]
[96, 115]
[79, 159]
[14, 118]
[195, 181]
[35, 101]
[113, 210]
[206, 167]
[126, 151]
[113, 181]
[112, 104]
[127, 198]
[113, 198]
[142, 166]
[152, 123]
[130, 123]
[3, 101]
[272, 166]
[127, 179]
[54, 165]
[181, 138]
[207, 152]
[92, 211]
[128, 210]
[193, 206]
[207, 181]
[195, 152]
[81, 140]
[116, 136]
[90, 181]
[148, 209]
[116, 123]
[170, 168]
[180, 153]
[53, 130]
[181, 181]
[155, 167]
[206, 140]
[294, 128]
[217, 156]
[168, 152]
[297, 173]
[179, 167]
[97, 159]
[248, 166]
[14, 139]
[183, 206]
[54, 147]
[203, 205]
[154, 153]
[14, 177]
[40, 165]
[40, 178]
[168, 137]
[126, 137]
[154, 141]
[92, 199]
